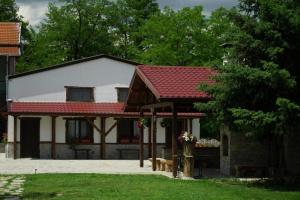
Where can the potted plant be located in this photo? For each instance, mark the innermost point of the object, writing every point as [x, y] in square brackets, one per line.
[188, 141]
[143, 122]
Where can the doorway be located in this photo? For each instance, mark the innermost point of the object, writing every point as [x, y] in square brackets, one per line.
[30, 138]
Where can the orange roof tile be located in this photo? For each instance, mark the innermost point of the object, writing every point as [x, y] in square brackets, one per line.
[10, 38]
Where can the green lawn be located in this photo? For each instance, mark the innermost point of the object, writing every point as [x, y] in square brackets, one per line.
[96, 186]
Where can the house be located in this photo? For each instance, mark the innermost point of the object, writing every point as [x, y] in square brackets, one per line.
[10, 34]
[79, 105]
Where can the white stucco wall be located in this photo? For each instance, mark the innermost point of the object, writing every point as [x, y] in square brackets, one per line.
[196, 128]
[46, 128]
[49, 86]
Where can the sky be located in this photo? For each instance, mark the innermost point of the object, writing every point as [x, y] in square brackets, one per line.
[34, 10]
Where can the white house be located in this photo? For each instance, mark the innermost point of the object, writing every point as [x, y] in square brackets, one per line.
[60, 111]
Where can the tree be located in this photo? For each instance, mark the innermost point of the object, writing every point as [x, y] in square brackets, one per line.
[258, 92]
[76, 29]
[127, 17]
[179, 38]
[8, 11]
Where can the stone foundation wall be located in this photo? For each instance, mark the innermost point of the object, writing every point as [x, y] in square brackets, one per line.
[242, 150]
[63, 151]
[2, 147]
[292, 154]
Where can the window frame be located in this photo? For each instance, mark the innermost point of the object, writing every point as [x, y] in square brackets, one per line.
[78, 87]
[131, 138]
[119, 89]
[80, 119]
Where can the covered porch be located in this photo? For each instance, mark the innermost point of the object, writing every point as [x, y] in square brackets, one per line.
[172, 90]
[48, 126]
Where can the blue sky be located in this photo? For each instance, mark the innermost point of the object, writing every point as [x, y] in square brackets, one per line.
[34, 10]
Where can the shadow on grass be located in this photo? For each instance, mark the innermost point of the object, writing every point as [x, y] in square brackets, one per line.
[283, 185]
[40, 195]
[277, 185]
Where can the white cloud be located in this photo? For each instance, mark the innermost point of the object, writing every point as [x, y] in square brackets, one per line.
[33, 12]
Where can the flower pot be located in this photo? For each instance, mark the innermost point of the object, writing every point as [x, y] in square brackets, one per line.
[188, 148]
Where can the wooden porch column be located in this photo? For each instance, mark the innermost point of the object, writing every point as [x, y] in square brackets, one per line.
[53, 138]
[142, 146]
[149, 139]
[103, 142]
[191, 126]
[153, 129]
[174, 141]
[15, 136]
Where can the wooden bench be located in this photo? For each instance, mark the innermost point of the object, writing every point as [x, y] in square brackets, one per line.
[121, 151]
[249, 171]
[169, 165]
[163, 164]
[87, 152]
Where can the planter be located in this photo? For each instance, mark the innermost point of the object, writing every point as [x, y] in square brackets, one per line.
[188, 149]
[188, 152]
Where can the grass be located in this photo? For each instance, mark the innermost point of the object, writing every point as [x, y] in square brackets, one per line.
[97, 186]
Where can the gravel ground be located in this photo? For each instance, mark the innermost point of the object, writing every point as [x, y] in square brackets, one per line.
[31, 166]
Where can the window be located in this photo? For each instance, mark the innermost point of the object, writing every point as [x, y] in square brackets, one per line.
[79, 131]
[225, 145]
[80, 93]
[128, 131]
[122, 94]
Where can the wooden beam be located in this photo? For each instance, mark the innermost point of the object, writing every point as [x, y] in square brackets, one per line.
[103, 148]
[94, 125]
[111, 128]
[191, 126]
[53, 137]
[142, 146]
[158, 105]
[153, 124]
[15, 136]
[149, 139]
[174, 142]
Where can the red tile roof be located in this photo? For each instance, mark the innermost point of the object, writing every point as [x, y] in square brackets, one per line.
[80, 108]
[10, 38]
[66, 108]
[167, 82]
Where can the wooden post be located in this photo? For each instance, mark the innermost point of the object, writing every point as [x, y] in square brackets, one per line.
[174, 141]
[142, 146]
[53, 138]
[103, 143]
[191, 126]
[153, 124]
[149, 139]
[15, 136]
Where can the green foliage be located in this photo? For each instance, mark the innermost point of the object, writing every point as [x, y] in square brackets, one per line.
[258, 90]
[74, 30]
[179, 38]
[127, 17]
[9, 11]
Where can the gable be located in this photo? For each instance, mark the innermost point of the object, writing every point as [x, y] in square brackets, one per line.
[104, 74]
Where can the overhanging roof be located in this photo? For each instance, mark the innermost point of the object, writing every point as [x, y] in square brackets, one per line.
[82, 109]
[153, 84]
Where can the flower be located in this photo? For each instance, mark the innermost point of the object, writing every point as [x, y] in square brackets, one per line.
[187, 137]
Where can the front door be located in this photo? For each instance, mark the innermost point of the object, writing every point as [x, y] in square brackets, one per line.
[30, 137]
